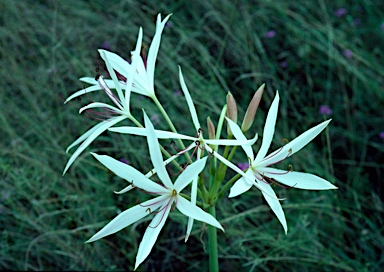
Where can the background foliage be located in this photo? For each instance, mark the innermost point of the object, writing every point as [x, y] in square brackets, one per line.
[314, 52]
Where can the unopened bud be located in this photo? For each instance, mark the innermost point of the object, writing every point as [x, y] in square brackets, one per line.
[231, 110]
[252, 108]
[211, 129]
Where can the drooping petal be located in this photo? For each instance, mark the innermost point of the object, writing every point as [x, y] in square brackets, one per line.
[152, 232]
[85, 135]
[296, 144]
[191, 106]
[232, 142]
[242, 185]
[83, 91]
[130, 174]
[101, 105]
[298, 180]
[126, 189]
[155, 153]
[153, 50]
[236, 131]
[160, 134]
[129, 217]
[269, 128]
[187, 208]
[274, 203]
[101, 127]
[189, 174]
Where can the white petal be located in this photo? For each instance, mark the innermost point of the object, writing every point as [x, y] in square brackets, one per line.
[240, 136]
[130, 174]
[242, 185]
[155, 153]
[298, 180]
[295, 145]
[269, 128]
[232, 142]
[153, 50]
[91, 136]
[274, 203]
[126, 189]
[83, 91]
[191, 107]
[129, 217]
[160, 134]
[151, 233]
[189, 174]
[85, 135]
[187, 208]
[118, 63]
[101, 105]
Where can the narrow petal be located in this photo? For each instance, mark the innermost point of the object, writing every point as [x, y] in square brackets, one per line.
[85, 135]
[274, 203]
[160, 134]
[101, 105]
[295, 145]
[130, 174]
[129, 217]
[83, 91]
[269, 128]
[191, 106]
[187, 208]
[151, 233]
[126, 189]
[154, 151]
[153, 50]
[91, 136]
[118, 63]
[232, 142]
[240, 136]
[242, 185]
[189, 174]
[298, 180]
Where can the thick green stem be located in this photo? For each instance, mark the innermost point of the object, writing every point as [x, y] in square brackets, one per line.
[212, 240]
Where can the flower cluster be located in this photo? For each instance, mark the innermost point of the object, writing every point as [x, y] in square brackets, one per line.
[138, 76]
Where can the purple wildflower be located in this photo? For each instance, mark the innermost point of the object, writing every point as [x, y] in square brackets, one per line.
[340, 12]
[348, 53]
[243, 165]
[381, 135]
[325, 109]
[382, 26]
[123, 160]
[356, 22]
[284, 64]
[270, 34]
[106, 46]
[155, 119]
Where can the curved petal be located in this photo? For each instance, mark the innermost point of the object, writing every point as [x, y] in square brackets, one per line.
[274, 203]
[103, 126]
[85, 135]
[118, 63]
[126, 189]
[128, 217]
[298, 180]
[236, 131]
[189, 174]
[269, 128]
[101, 105]
[191, 107]
[154, 152]
[190, 210]
[151, 233]
[242, 185]
[130, 174]
[153, 50]
[231, 142]
[83, 91]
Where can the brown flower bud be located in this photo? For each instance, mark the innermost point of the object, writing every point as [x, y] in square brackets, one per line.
[231, 110]
[252, 108]
[211, 129]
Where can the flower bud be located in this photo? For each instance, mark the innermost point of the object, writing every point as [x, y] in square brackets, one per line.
[252, 108]
[211, 129]
[231, 110]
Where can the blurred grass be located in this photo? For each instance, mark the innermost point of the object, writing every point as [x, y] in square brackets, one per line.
[222, 46]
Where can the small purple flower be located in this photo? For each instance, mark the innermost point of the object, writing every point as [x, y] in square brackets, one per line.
[155, 119]
[340, 12]
[106, 46]
[325, 109]
[270, 34]
[284, 64]
[123, 160]
[382, 26]
[168, 24]
[356, 22]
[177, 93]
[348, 53]
[243, 165]
[381, 135]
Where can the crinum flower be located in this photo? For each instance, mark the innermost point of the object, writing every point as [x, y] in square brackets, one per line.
[168, 194]
[265, 176]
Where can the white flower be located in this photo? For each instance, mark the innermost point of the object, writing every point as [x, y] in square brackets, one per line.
[143, 82]
[112, 114]
[169, 194]
[265, 175]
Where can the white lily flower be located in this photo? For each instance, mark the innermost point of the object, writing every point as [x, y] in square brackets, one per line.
[169, 193]
[265, 175]
[143, 82]
[113, 114]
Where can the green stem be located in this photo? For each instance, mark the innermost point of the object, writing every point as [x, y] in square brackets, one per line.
[212, 240]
